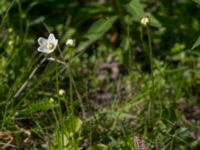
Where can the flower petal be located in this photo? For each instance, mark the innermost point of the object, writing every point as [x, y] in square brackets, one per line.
[44, 50]
[42, 41]
[55, 42]
[51, 37]
[48, 51]
[40, 49]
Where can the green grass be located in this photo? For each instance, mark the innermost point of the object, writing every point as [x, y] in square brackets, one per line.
[126, 86]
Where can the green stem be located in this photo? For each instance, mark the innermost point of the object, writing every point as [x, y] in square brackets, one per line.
[71, 85]
[120, 13]
[129, 49]
[71, 100]
[20, 17]
[151, 58]
[148, 50]
[61, 119]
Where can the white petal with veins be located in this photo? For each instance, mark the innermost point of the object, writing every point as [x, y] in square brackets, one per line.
[42, 41]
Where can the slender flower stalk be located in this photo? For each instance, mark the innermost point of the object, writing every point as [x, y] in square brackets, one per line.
[145, 22]
[45, 46]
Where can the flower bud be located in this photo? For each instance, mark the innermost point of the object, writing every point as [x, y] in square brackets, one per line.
[61, 92]
[70, 43]
[51, 100]
[145, 21]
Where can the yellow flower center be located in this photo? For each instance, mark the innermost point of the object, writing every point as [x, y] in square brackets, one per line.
[50, 46]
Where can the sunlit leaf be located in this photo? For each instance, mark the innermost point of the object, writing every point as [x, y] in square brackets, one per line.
[96, 31]
[99, 28]
[197, 43]
[73, 124]
[124, 1]
[197, 1]
[136, 9]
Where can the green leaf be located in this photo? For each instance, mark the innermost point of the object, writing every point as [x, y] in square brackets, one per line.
[154, 22]
[90, 10]
[96, 31]
[136, 9]
[98, 147]
[73, 124]
[197, 43]
[197, 1]
[124, 1]
[37, 21]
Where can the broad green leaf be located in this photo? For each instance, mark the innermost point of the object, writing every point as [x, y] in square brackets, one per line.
[73, 125]
[90, 10]
[197, 43]
[99, 28]
[136, 9]
[124, 1]
[96, 31]
[197, 1]
[154, 21]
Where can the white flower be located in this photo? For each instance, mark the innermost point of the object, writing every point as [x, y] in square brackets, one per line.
[70, 43]
[47, 45]
[145, 21]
